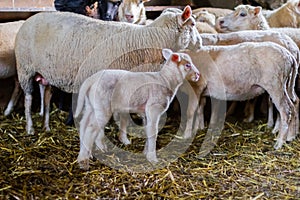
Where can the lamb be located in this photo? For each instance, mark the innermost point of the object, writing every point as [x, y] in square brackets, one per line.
[132, 11]
[151, 93]
[87, 42]
[285, 16]
[8, 32]
[268, 67]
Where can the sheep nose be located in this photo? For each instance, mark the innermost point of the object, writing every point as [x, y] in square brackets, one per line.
[129, 17]
[221, 22]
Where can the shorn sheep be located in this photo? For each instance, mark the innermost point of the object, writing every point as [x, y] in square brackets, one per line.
[151, 93]
[288, 15]
[87, 42]
[8, 32]
[251, 36]
[251, 18]
[226, 74]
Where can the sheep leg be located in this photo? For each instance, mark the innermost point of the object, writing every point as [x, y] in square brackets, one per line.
[123, 126]
[286, 110]
[199, 119]
[28, 103]
[89, 136]
[153, 113]
[294, 129]
[249, 110]
[193, 101]
[14, 98]
[218, 114]
[231, 108]
[42, 95]
[48, 95]
[277, 124]
[270, 122]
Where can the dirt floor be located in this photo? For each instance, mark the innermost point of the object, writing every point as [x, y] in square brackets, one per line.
[243, 165]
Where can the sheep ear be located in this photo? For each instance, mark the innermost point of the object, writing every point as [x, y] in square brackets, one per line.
[187, 12]
[257, 10]
[167, 53]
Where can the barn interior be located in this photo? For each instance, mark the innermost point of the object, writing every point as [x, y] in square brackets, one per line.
[242, 164]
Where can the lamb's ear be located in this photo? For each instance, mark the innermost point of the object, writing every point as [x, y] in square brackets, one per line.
[167, 53]
[257, 10]
[187, 13]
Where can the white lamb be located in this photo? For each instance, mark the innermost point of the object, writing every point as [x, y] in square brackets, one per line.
[121, 92]
[227, 74]
[66, 48]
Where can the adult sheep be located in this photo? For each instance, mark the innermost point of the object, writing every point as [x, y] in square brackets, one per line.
[286, 15]
[248, 17]
[8, 32]
[228, 75]
[89, 46]
[248, 36]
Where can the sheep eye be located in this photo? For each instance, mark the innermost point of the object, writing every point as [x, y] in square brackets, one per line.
[243, 14]
[188, 66]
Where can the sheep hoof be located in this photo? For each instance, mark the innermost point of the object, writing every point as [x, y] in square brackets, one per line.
[275, 130]
[30, 131]
[187, 134]
[47, 128]
[290, 137]
[84, 164]
[151, 157]
[125, 140]
[278, 144]
[7, 112]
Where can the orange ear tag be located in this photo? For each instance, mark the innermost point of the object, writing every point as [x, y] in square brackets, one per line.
[175, 58]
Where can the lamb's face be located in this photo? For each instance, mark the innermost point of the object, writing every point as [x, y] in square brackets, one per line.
[243, 18]
[187, 68]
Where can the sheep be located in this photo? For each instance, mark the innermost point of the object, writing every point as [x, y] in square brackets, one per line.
[249, 36]
[218, 12]
[251, 18]
[87, 42]
[207, 17]
[205, 22]
[285, 16]
[8, 32]
[132, 11]
[228, 75]
[151, 93]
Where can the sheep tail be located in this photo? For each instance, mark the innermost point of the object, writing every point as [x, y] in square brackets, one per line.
[292, 80]
[81, 97]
